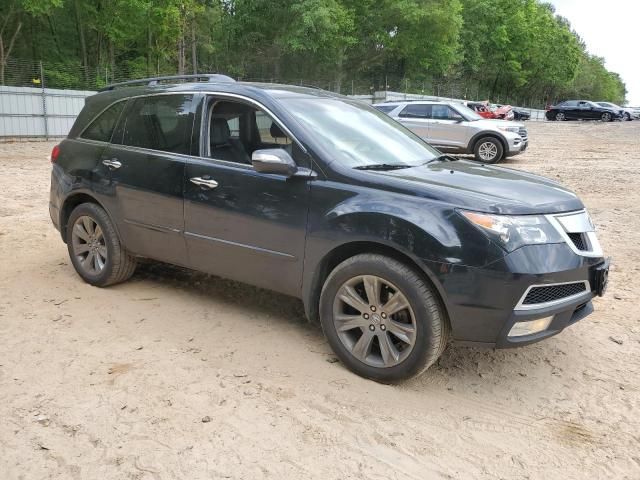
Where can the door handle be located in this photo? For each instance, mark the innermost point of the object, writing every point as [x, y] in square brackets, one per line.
[112, 164]
[204, 182]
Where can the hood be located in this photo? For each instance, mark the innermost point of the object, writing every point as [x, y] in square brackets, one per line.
[489, 189]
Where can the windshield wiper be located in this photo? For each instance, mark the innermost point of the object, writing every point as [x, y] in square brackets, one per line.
[445, 158]
[382, 166]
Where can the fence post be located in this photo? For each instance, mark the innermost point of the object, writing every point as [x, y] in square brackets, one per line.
[44, 104]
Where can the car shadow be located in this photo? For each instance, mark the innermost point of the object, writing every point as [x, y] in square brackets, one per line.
[460, 367]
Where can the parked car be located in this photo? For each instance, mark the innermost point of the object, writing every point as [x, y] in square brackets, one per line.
[392, 246]
[503, 112]
[628, 114]
[520, 114]
[581, 110]
[482, 109]
[454, 128]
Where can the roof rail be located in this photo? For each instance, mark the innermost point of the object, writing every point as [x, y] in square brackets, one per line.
[210, 77]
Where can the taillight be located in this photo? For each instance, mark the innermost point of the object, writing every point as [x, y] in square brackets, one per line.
[55, 153]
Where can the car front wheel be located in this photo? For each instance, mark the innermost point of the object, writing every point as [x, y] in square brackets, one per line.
[488, 150]
[606, 117]
[381, 318]
[95, 249]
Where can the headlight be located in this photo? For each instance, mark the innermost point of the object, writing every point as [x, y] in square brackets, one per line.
[509, 129]
[513, 232]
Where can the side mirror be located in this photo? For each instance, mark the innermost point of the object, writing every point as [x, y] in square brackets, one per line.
[274, 160]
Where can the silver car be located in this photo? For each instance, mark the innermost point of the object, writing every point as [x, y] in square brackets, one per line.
[455, 128]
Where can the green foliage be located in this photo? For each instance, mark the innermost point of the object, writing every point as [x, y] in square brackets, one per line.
[506, 50]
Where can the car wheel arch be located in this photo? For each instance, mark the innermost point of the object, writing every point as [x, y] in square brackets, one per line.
[349, 249]
[479, 136]
[71, 202]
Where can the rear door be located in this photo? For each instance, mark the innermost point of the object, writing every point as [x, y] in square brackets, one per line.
[146, 165]
[239, 223]
[416, 117]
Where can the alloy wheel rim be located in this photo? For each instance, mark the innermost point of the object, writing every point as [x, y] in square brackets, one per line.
[488, 151]
[606, 117]
[374, 321]
[88, 244]
[560, 116]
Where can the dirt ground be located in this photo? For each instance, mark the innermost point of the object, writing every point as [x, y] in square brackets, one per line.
[178, 375]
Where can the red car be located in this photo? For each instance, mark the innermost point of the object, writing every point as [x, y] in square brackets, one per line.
[486, 110]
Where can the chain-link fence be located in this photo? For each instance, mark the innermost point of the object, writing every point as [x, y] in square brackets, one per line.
[42, 99]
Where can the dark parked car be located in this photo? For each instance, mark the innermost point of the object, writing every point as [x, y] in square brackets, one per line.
[582, 110]
[627, 113]
[392, 246]
[520, 114]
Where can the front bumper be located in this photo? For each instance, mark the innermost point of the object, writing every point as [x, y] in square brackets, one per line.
[517, 144]
[483, 302]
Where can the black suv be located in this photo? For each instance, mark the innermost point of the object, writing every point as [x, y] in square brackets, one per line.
[393, 247]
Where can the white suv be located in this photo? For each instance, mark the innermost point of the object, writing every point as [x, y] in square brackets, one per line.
[455, 128]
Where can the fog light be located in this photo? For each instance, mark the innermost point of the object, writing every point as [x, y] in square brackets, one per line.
[521, 329]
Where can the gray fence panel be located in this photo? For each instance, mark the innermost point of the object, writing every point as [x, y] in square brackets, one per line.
[22, 114]
[35, 112]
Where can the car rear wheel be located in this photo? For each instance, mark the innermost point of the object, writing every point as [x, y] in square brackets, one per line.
[606, 117]
[381, 318]
[560, 117]
[488, 150]
[95, 249]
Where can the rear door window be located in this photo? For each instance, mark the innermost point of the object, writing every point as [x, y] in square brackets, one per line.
[385, 108]
[444, 112]
[162, 122]
[101, 129]
[416, 111]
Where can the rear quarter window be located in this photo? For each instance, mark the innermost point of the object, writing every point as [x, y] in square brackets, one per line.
[101, 129]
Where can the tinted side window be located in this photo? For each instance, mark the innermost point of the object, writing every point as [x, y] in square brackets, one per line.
[444, 112]
[102, 127]
[569, 103]
[163, 122]
[416, 111]
[385, 108]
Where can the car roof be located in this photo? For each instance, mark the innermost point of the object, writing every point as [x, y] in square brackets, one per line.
[412, 102]
[241, 88]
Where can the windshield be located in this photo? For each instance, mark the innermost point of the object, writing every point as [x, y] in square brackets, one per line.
[466, 112]
[357, 135]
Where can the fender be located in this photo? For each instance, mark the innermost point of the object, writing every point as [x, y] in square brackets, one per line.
[427, 234]
[491, 133]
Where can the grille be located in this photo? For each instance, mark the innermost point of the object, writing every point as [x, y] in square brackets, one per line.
[579, 241]
[553, 292]
[522, 132]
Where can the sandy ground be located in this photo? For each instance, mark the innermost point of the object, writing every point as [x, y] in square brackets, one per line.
[179, 375]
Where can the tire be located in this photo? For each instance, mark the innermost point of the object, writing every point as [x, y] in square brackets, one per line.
[422, 322]
[97, 254]
[627, 117]
[560, 117]
[606, 117]
[488, 150]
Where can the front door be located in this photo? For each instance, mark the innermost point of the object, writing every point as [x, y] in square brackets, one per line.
[239, 223]
[446, 128]
[146, 163]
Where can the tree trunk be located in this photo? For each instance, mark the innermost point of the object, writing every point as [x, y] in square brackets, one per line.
[83, 44]
[5, 53]
[194, 48]
[181, 55]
